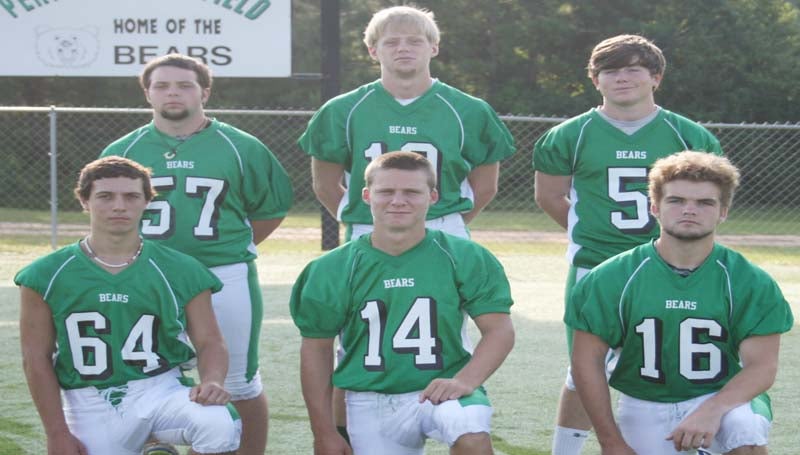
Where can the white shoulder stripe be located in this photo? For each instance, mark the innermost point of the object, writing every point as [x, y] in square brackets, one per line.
[458, 119]
[133, 142]
[350, 114]
[578, 143]
[169, 287]
[55, 275]
[685, 146]
[625, 289]
[235, 150]
[447, 253]
[728, 283]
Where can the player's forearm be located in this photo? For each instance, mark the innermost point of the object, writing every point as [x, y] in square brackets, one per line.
[329, 196]
[483, 180]
[263, 228]
[212, 362]
[46, 393]
[326, 180]
[551, 193]
[556, 207]
[495, 344]
[316, 369]
[588, 371]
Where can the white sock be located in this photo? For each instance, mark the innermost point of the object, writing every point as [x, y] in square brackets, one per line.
[568, 441]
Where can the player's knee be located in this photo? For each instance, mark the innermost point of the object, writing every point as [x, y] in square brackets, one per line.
[473, 443]
[215, 429]
[743, 432]
[242, 389]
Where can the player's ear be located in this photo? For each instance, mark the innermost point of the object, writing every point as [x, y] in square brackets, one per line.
[434, 196]
[723, 214]
[654, 209]
[373, 52]
[657, 78]
[434, 50]
[365, 195]
[205, 95]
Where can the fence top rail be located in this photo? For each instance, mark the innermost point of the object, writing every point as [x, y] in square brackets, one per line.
[125, 110]
[308, 113]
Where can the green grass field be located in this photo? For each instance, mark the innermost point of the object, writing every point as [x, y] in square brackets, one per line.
[524, 391]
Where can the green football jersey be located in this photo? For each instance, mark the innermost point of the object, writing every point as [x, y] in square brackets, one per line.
[610, 210]
[455, 131]
[679, 336]
[402, 318]
[112, 329]
[209, 188]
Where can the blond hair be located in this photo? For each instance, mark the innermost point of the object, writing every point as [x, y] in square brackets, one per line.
[409, 15]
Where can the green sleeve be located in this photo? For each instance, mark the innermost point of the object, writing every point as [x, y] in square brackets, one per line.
[317, 304]
[267, 188]
[492, 142]
[594, 309]
[482, 284]
[325, 137]
[759, 308]
[553, 153]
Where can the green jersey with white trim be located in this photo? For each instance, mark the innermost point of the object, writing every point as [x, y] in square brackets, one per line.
[209, 188]
[610, 210]
[401, 318]
[679, 336]
[455, 131]
[112, 329]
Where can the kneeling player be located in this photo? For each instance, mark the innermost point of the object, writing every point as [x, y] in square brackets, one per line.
[399, 297]
[697, 326]
[104, 322]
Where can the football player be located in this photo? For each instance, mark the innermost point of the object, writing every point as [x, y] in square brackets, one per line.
[399, 297]
[591, 177]
[221, 193]
[697, 326]
[105, 324]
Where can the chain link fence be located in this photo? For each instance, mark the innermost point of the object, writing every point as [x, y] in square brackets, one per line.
[35, 188]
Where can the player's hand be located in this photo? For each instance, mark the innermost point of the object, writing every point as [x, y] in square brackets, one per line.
[209, 393]
[332, 444]
[696, 430]
[441, 390]
[65, 443]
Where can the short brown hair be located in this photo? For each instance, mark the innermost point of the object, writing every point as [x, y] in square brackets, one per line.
[202, 70]
[626, 50]
[695, 167]
[406, 161]
[110, 167]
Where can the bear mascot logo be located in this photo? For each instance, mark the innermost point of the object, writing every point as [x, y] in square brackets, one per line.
[66, 47]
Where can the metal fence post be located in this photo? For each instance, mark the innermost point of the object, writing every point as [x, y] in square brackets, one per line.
[53, 178]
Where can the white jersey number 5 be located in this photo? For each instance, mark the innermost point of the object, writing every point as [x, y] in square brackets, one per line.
[618, 180]
[212, 190]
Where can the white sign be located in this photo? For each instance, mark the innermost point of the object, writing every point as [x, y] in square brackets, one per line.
[236, 38]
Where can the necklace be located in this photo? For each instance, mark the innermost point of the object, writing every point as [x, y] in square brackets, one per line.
[95, 257]
[173, 151]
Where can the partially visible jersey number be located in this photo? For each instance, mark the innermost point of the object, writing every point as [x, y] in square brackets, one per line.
[699, 362]
[426, 149]
[211, 190]
[91, 356]
[416, 334]
[618, 180]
